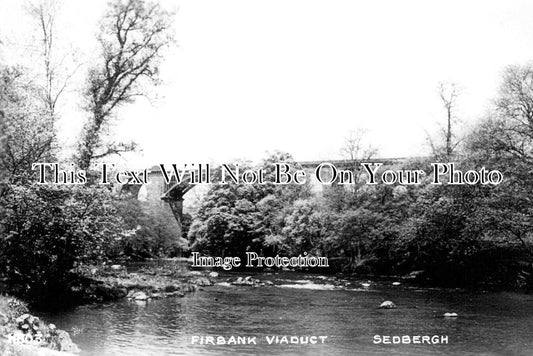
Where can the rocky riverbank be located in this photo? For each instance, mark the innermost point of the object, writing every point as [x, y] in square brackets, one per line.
[115, 282]
[23, 334]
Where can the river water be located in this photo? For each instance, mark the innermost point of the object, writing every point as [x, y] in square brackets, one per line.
[305, 305]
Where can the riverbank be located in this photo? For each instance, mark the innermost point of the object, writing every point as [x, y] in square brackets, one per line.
[109, 283]
[23, 334]
[173, 278]
[156, 279]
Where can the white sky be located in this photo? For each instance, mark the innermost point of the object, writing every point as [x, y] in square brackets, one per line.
[252, 76]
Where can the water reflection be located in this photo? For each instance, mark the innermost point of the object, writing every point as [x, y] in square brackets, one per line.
[488, 324]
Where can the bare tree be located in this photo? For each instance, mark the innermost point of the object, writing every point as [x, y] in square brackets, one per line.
[356, 150]
[59, 64]
[133, 35]
[447, 145]
[448, 95]
[355, 147]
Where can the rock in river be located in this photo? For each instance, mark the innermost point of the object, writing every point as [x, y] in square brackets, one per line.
[139, 296]
[387, 305]
[247, 281]
[450, 315]
[116, 267]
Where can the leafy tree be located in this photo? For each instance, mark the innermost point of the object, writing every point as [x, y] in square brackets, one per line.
[133, 36]
[235, 218]
[27, 127]
[228, 223]
[302, 229]
[152, 236]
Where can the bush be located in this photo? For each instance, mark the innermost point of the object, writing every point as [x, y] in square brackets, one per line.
[49, 230]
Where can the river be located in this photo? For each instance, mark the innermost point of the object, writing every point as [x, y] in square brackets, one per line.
[300, 304]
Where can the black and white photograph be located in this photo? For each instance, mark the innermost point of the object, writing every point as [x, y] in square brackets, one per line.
[266, 177]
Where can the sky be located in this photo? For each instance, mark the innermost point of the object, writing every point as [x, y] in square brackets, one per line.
[249, 77]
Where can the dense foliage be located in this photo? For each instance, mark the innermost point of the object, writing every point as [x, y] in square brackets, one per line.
[457, 235]
[451, 234]
[47, 231]
[235, 218]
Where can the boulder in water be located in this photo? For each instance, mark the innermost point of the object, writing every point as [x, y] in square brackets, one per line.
[140, 296]
[174, 294]
[65, 342]
[247, 281]
[450, 315]
[202, 282]
[387, 305]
